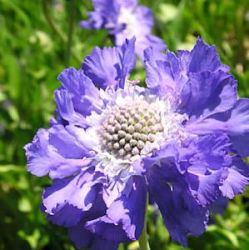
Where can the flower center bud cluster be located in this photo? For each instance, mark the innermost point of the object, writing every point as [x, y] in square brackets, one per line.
[128, 129]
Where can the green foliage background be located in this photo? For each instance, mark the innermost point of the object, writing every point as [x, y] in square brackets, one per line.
[34, 49]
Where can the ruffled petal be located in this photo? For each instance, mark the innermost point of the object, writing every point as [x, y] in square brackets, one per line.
[85, 95]
[240, 144]
[160, 71]
[204, 58]
[58, 152]
[109, 67]
[234, 122]
[105, 15]
[67, 201]
[207, 153]
[208, 162]
[234, 184]
[148, 41]
[99, 66]
[167, 155]
[83, 238]
[39, 154]
[168, 73]
[127, 60]
[95, 21]
[124, 218]
[238, 122]
[205, 188]
[219, 206]
[67, 216]
[236, 180]
[209, 93]
[65, 109]
[181, 213]
[105, 228]
[77, 97]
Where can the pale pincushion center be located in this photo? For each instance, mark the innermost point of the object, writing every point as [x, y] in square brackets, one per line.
[127, 129]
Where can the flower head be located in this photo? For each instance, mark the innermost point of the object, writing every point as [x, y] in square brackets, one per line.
[180, 140]
[124, 20]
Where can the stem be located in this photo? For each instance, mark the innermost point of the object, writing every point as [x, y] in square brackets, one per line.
[46, 10]
[143, 240]
[70, 30]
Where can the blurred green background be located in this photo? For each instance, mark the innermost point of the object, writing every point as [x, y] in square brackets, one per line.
[34, 49]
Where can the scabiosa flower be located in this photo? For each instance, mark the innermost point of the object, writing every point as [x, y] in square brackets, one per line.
[124, 20]
[179, 141]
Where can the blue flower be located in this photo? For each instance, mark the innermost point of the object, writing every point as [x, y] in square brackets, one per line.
[124, 20]
[180, 141]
